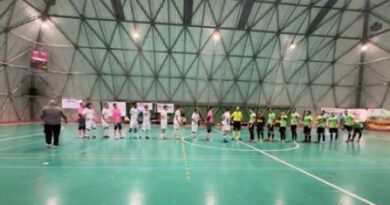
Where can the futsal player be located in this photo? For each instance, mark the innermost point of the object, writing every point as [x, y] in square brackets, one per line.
[117, 118]
[260, 122]
[209, 123]
[237, 119]
[164, 121]
[146, 121]
[81, 120]
[271, 124]
[106, 120]
[226, 120]
[177, 122]
[320, 122]
[251, 125]
[134, 113]
[357, 130]
[90, 124]
[195, 118]
[348, 123]
[293, 124]
[307, 123]
[283, 126]
[333, 124]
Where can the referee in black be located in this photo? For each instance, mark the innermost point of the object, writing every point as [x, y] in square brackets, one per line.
[51, 116]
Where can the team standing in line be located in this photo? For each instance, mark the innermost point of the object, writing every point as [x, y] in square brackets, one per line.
[257, 121]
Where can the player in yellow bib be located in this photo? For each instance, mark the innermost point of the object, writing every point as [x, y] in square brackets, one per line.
[294, 123]
[321, 127]
[333, 124]
[237, 119]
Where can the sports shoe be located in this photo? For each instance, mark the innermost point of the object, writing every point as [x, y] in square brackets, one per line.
[147, 137]
[225, 140]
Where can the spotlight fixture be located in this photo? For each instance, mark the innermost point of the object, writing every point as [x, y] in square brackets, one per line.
[364, 47]
[216, 35]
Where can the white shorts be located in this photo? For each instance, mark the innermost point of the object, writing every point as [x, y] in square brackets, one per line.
[194, 127]
[90, 124]
[133, 124]
[146, 125]
[105, 124]
[164, 124]
[225, 127]
[176, 126]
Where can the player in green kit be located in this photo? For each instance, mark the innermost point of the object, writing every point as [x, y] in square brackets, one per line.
[270, 124]
[348, 123]
[283, 125]
[357, 129]
[307, 120]
[293, 123]
[333, 124]
[321, 127]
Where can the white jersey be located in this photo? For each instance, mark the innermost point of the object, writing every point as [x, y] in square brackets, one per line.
[89, 114]
[195, 120]
[226, 117]
[177, 120]
[164, 119]
[134, 112]
[106, 114]
[146, 116]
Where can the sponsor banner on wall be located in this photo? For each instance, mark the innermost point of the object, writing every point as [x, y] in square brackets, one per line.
[358, 114]
[70, 103]
[378, 119]
[141, 106]
[160, 107]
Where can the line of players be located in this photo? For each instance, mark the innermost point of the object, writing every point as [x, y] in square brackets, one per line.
[87, 123]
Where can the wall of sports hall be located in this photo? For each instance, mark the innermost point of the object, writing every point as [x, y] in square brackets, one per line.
[206, 62]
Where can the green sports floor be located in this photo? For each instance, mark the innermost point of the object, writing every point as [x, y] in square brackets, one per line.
[148, 172]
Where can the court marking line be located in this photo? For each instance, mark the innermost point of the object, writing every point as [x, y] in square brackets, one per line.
[309, 174]
[20, 137]
[17, 146]
[243, 150]
[185, 159]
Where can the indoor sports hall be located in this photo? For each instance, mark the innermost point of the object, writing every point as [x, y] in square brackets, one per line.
[196, 102]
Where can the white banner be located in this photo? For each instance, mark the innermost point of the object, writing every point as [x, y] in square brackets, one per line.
[70, 103]
[121, 106]
[359, 114]
[171, 107]
[141, 106]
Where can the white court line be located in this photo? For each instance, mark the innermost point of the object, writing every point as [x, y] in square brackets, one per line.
[243, 150]
[20, 137]
[310, 175]
[17, 146]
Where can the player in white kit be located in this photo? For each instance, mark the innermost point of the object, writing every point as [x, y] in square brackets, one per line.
[195, 123]
[164, 121]
[90, 117]
[146, 121]
[177, 122]
[106, 120]
[226, 121]
[134, 112]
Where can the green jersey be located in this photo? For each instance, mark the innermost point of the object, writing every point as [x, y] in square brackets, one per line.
[348, 120]
[294, 118]
[358, 125]
[283, 121]
[307, 120]
[320, 121]
[333, 122]
[271, 118]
